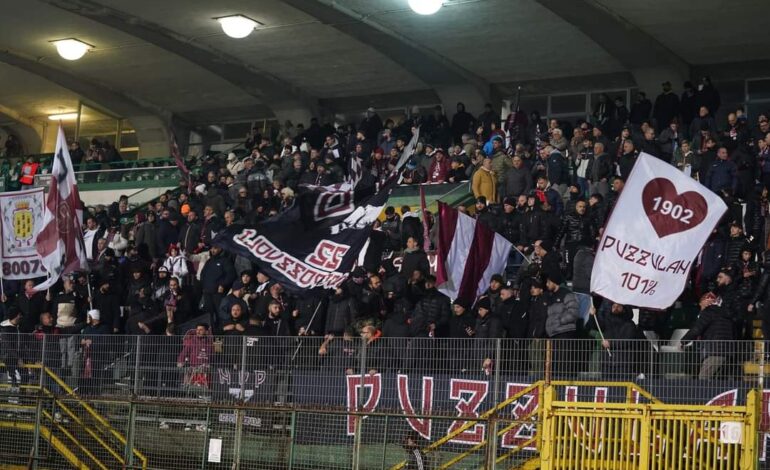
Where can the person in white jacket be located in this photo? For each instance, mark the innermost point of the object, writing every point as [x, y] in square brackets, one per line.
[233, 165]
[176, 263]
[117, 241]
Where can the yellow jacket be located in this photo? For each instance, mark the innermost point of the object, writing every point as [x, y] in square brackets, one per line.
[485, 184]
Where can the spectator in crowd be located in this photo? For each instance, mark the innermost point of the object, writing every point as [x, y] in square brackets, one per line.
[666, 107]
[158, 270]
[485, 181]
[715, 328]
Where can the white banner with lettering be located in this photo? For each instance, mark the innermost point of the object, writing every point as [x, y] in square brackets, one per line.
[21, 218]
[657, 228]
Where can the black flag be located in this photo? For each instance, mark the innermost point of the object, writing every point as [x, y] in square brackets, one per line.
[315, 243]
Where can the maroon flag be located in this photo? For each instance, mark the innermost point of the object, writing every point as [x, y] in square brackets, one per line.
[469, 254]
[60, 242]
[425, 228]
[180, 162]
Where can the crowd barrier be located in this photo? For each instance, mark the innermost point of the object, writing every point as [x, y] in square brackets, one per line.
[346, 402]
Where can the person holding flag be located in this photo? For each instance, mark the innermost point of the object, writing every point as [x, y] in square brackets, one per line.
[60, 242]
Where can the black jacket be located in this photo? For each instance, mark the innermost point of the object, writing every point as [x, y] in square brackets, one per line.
[432, 308]
[538, 314]
[489, 327]
[218, 271]
[626, 164]
[190, 236]
[513, 314]
[109, 309]
[713, 324]
[340, 313]
[415, 261]
[397, 319]
[601, 168]
[576, 229]
[462, 326]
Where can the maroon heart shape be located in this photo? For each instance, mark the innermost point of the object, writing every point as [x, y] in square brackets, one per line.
[666, 224]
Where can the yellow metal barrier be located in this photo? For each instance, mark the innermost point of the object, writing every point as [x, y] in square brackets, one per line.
[653, 435]
[57, 444]
[101, 425]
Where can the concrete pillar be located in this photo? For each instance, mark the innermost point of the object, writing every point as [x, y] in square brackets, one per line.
[152, 135]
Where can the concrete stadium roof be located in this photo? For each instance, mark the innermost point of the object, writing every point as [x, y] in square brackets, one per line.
[170, 58]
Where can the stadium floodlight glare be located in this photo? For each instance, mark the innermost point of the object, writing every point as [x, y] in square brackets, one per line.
[71, 48]
[237, 26]
[63, 116]
[425, 7]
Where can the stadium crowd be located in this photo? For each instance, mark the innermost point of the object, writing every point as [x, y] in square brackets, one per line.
[548, 187]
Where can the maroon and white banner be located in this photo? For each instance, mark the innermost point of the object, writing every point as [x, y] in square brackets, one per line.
[469, 254]
[660, 223]
[60, 242]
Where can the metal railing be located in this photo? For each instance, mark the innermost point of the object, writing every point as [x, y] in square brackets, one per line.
[339, 403]
[119, 175]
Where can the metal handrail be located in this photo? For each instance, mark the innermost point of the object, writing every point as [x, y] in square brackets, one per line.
[93, 413]
[99, 418]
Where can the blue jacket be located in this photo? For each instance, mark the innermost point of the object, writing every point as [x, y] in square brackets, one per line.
[723, 174]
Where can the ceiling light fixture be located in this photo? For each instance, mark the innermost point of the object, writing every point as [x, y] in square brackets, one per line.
[425, 7]
[237, 26]
[71, 48]
[63, 116]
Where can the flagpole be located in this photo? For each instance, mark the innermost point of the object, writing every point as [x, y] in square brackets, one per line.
[90, 297]
[425, 229]
[294, 356]
[596, 320]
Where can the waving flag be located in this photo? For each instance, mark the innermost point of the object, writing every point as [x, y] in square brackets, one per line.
[180, 162]
[313, 245]
[60, 242]
[660, 223]
[409, 150]
[469, 254]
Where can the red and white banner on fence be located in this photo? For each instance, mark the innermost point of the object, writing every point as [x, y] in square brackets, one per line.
[660, 223]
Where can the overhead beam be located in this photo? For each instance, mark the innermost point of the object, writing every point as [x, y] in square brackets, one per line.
[21, 119]
[150, 121]
[427, 65]
[274, 92]
[117, 102]
[628, 44]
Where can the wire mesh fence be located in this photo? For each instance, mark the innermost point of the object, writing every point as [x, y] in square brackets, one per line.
[200, 401]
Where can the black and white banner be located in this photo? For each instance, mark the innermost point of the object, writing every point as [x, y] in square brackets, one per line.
[315, 243]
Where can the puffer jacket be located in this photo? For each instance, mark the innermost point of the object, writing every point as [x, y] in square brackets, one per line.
[733, 249]
[510, 226]
[577, 229]
[563, 312]
[432, 308]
